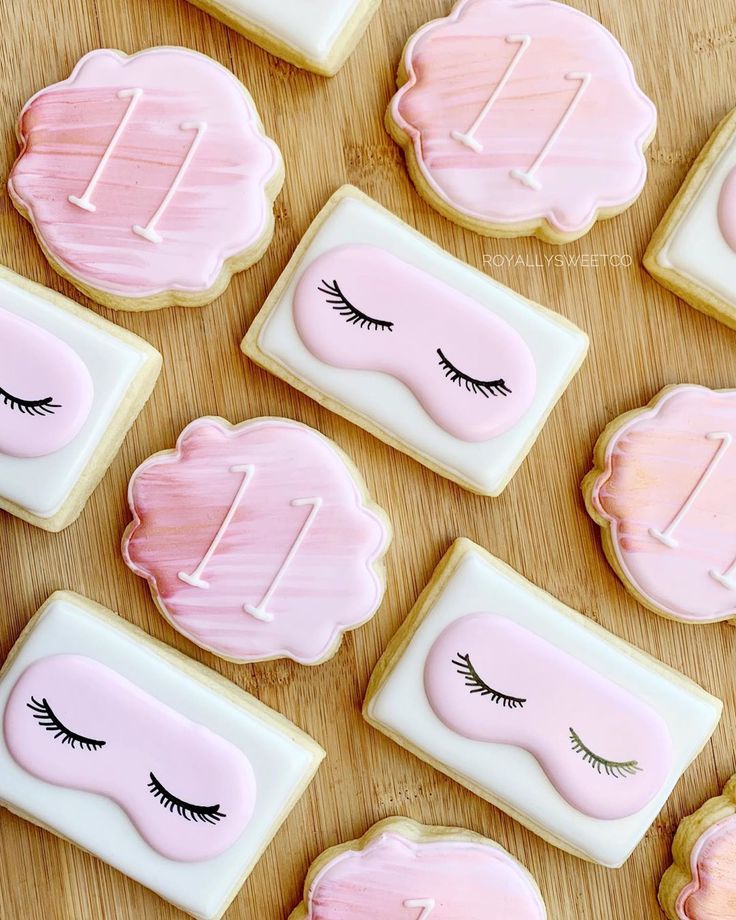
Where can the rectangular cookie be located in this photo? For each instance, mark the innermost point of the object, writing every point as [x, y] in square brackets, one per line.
[532, 706]
[110, 738]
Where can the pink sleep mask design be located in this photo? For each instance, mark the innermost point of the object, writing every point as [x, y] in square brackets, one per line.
[606, 752]
[74, 722]
[361, 308]
[727, 210]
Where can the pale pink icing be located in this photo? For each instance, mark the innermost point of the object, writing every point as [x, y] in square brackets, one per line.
[426, 315]
[455, 64]
[180, 501]
[141, 736]
[727, 210]
[560, 694]
[46, 390]
[711, 894]
[463, 879]
[652, 465]
[220, 208]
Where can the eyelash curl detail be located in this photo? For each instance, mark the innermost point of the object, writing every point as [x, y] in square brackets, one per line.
[619, 769]
[47, 719]
[486, 388]
[209, 813]
[352, 314]
[29, 406]
[478, 685]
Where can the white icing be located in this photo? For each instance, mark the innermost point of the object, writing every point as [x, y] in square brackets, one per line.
[511, 774]
[41, 485]
[281, 763]
[426, 905]
[557, 348]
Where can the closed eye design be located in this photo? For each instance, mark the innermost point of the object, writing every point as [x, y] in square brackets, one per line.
[47, 718]
[475, 682]
[616, 768]
[352, 314]
[209, 813]
[484, 387]
[45, 406]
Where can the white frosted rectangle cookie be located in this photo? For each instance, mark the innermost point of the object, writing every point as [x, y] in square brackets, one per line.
[71, 385]
[570, 730]
[380, 325]
[144, 758]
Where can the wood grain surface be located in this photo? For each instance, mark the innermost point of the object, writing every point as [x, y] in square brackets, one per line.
[331, 131]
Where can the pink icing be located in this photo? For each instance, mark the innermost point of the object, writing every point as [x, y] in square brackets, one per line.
[424, 315]
[141, 736]
[46, 390]
[295, 545]
[711, 894]
[534, 696]
[653, 465]
[218, 210]
[463, 880]
[727, 210]
[454, 65]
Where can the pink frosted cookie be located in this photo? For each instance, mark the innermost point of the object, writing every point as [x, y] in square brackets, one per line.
[258, 540]
[148, 179]
[401, 870]
[521, 118]
[699, 885]
[663, 490]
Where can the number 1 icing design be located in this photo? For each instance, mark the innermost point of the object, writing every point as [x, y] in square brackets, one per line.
[522, 117]
[276, 550]
[148, 179]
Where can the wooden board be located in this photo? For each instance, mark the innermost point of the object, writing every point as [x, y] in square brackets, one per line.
[642, 338]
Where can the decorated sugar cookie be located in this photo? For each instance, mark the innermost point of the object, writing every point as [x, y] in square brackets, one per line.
[148, 179]
[664, 492]
[699, 885]
[521, 118]
[258, 540]
[71, 385]
[693, 251]
[377, 323]
[154, 764]
[575, 733]
[401, 870]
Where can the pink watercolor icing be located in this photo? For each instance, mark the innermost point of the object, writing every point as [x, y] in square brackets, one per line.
[665, 457]
[141, 736]
[456, 879]
[417, 316]
[727, 210]
[550, 69]
[46, 390]
[169, 104]
[526, 692]
[711, 894]
[256, 540]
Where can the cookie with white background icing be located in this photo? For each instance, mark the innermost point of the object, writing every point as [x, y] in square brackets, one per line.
[699, 885]
[71, 385]
[570, 730]
[318, 36]
[663, 490]
[693, 250]
[258, 540]
[521, 118]
[379, 324]
[151, 762]
[148, 178]
[401, 870]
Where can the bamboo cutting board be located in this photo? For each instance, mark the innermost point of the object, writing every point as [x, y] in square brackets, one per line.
[331, 131]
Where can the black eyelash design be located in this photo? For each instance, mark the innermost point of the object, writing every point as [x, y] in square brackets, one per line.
[485, 387]
[47, 719]
[616, 768]
[209, 813]
[29, 406]
[478, 685]
[352, 314]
